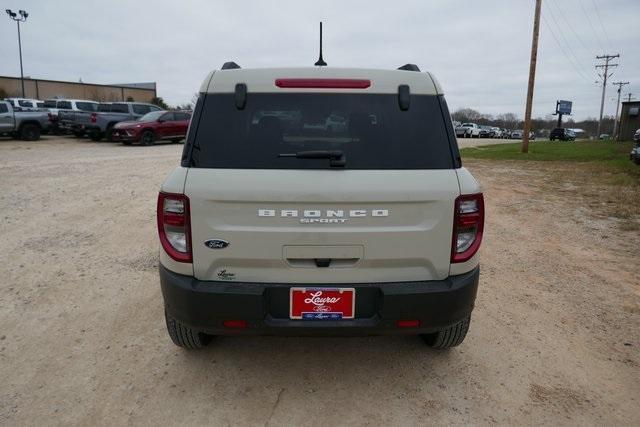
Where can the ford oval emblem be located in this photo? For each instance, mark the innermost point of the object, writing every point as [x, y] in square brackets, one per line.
[216, 244]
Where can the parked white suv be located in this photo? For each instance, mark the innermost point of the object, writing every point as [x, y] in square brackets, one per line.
[279, 221]
[25, 103]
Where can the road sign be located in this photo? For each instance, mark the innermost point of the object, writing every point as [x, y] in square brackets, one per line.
[563, 107]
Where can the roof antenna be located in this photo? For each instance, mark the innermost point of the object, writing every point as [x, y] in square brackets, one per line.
[320, 62]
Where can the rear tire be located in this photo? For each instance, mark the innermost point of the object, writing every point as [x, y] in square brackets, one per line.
[78, 134]
[148, 138]
[185, 337]
[30, 132]
[95, 136]
[449, 337]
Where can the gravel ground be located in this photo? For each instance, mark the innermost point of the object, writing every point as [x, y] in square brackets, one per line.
[554, 337]
[476, 142]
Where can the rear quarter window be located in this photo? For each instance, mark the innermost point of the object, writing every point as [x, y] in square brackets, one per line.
[370, 129]
[119, 108]
[141, 109]
[86, 106]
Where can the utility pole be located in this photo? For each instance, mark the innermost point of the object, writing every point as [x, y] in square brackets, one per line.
[532, 77]
[616, 122]
[629, 97]
[22, 18]
[605, 75]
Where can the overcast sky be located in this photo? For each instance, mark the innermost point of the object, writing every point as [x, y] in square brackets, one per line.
[479, 50]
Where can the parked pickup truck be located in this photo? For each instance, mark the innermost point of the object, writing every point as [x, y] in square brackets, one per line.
[468, 130]
[68, 112]
[61, 107]
[27, 125]
[100, 124]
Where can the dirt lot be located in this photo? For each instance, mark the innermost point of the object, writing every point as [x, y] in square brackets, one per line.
[555, 337]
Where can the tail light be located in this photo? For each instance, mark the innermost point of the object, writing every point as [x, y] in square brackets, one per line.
[93, 117]
[468, 224]
[174, 227]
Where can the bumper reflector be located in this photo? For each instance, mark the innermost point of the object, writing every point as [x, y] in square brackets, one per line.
[238, 324]
[408, 323]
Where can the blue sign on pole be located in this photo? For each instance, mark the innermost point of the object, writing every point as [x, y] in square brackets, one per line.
[563, 107]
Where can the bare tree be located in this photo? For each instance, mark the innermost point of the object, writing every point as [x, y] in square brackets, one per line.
[508, 120]
[466, 115]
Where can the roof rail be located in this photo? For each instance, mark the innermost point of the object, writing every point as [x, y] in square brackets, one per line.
[230, 66]
[409, 67]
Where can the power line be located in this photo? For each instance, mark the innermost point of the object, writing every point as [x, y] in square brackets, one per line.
[575, 67]
[568, 22]
[593, 30]
[604, 31]
[568, 45]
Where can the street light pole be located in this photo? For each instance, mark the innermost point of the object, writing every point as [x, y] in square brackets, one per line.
[22, 18]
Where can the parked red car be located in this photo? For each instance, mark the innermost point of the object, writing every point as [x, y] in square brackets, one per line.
[152, 127]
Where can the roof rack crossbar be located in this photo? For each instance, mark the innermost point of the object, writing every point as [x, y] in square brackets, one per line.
[230, 65]
[409, 67]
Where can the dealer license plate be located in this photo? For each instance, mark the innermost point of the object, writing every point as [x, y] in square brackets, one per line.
[322, 303]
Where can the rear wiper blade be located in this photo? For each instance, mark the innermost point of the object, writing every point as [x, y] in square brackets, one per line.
[336, 157]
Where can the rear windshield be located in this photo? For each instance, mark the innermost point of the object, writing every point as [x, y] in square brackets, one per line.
[371, 130]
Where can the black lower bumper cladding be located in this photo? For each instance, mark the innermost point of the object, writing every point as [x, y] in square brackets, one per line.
[264, 307]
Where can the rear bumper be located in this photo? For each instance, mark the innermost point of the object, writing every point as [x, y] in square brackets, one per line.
[205, 305]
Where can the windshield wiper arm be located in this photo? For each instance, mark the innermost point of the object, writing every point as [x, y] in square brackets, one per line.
[336, 157]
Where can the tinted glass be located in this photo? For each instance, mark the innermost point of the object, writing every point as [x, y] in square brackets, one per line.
[3, 108]
[86, 106]
[64, 105]
[50, 103]
[370, 130]
[119, 108]
[104, 108]
[40, 104]
[168, 117]
[182, 116]
[24, 103]
[141, 109]
[154, 108]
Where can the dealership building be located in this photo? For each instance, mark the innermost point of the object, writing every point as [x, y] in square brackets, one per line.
[48, 89]
[629, 120]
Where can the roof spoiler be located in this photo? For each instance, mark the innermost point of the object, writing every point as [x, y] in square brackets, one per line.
[230, 66]
[409, 67]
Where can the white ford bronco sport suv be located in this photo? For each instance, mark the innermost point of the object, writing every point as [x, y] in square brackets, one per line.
[319, 201]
